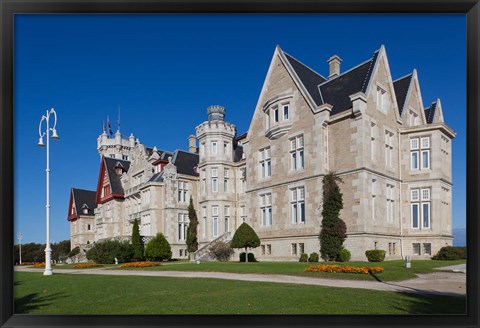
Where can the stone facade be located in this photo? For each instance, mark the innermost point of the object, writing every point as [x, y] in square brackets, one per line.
[392, 154]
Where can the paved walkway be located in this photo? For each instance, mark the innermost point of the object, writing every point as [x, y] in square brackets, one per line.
[439, 283]
[461, 268]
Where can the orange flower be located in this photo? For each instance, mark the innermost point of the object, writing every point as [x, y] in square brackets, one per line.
[87, 265]
[343, 269]
[143, 264]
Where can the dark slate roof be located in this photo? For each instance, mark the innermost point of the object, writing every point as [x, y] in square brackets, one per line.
[185, 162]
[157, 177]
[309, 78]
[82, 197]
[115, 182]
[337, 91]
[165, 155]
[401, 88]
[430, 112]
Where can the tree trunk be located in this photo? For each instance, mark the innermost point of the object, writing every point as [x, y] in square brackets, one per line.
[246, 255]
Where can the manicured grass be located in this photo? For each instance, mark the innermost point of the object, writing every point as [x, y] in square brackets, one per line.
[394, 270]
[99, 294]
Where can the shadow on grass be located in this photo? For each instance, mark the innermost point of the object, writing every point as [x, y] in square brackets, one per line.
[432, 304]
[34, 301]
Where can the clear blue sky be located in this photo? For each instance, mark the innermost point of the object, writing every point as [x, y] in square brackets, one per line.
[164, 70]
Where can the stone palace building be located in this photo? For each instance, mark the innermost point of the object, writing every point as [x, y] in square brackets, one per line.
[392, 153]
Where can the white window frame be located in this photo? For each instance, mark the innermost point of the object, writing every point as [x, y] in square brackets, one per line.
[286, 114]
[215, 226]
[420, 197]
[265, 163]
[297, 153]
[266, 209]
[297, 205]
[214, 147]
[182, 226]
[388, 148]
[390, 202]
[381, 98]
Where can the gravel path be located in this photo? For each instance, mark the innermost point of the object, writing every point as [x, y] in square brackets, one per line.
[439, 283]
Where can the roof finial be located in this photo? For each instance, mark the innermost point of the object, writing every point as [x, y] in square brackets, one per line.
[118, 120]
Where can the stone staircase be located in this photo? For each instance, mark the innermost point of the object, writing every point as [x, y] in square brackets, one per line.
[82, 256]
[202, 253]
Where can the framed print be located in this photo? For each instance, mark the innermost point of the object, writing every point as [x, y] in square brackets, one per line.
[250, 164]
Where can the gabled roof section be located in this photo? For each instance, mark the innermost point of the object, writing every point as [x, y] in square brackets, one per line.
[185, 162]
[401, 87]
[309, 78]
[83, 197]
[157, 177]
[430, 112]
[338, 90]
[115, 183]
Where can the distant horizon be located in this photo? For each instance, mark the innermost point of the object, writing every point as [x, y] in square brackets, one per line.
[163, 71]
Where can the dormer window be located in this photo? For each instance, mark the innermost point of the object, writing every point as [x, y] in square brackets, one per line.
[277, 116]
[85, 209]
[119, 168]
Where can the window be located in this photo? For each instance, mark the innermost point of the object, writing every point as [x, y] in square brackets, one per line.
[73, 210]
[381, 98]
[262, 249]
[416, 248]
[420, 154]
[182, 226]
[427, 249]
[269, 249]
[390, 202]
[182, 191]
[297, 204]
[388, 148]
[425, 151]
[214, 148]
[125, 157]
[181, 252]
[112, 155]
[301, 248]
[265, 163]
[243, 214]
[225, 180]
[215, 227]
[296, 153]
[294, 249]
[374, 197]
[204, 181]
[413, 118]
[215, 180]
[373, 135]
[226, 212]
[85, 210]
[225, 148]
[267, 120]
[204, 219]
[202, 149]
[146, 224]
[275, 114]
[420, 199]
[392, 248]
[88, 227]
[285, 112]
[266, 209]
[214, 210]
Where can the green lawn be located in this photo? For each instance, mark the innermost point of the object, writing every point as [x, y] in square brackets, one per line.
[394, 270]
[89, 294]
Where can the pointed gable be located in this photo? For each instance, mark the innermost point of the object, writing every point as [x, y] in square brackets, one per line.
[109, 184]
[185, 162]
[82, 202]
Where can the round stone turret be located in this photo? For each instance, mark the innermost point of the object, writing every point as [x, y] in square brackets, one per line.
[216, 113]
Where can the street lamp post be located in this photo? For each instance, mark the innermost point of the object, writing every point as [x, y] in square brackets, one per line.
[20, 237]
[46, 118]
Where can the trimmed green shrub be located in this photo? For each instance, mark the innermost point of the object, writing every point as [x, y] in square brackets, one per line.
[245, 237]
[375, 255]
[314, 257]
[251, 257]
[105, 252]
[158, 248]
[344, 255]
[221, 251]
[303, 257]
[451, 253]
[74, 251]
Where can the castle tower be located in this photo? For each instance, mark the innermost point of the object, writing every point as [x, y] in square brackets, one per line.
[115, 146]
[217, 175]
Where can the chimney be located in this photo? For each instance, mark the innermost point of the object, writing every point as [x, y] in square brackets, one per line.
[334, 63]
[192, 144]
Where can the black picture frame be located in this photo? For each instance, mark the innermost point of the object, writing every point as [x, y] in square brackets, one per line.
[9, 8]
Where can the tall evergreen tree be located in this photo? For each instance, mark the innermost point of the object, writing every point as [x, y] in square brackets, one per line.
[192, 241]
[136, 242]
[334, 230]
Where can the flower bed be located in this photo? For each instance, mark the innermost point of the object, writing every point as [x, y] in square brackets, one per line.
[143, 264]
[41, 265]
[27, 263]
[86, 265]
[343, 269]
